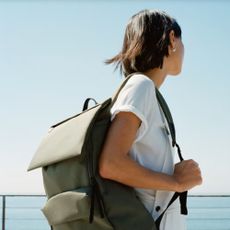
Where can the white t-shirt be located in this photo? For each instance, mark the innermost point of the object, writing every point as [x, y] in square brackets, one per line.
[151, 147]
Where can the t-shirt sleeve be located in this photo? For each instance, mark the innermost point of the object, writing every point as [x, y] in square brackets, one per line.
[137, 97]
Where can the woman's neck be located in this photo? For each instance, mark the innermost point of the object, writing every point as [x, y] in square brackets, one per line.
[157, 75]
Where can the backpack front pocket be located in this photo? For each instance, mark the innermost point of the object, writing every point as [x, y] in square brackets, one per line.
[66, 207]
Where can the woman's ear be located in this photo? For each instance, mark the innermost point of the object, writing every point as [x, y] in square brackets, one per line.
[172, 43]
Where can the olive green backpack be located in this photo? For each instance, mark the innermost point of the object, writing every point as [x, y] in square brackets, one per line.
[78, 198]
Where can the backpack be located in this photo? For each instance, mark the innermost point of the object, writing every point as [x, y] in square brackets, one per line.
[77, 197]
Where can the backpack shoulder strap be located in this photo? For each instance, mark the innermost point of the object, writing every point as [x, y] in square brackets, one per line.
[168, 115]
[182, 196]
[170, 122]
[115, 96]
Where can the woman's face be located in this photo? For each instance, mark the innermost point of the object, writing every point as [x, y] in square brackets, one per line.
[175, 58]
[180, 55]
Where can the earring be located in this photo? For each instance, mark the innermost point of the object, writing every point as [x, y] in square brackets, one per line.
[174, 50]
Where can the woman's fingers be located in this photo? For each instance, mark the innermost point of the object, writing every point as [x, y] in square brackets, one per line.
[187, 174]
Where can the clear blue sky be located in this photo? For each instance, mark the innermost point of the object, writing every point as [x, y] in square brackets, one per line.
[51, 59]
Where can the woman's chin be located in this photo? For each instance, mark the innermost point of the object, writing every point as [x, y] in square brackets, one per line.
[175, 72]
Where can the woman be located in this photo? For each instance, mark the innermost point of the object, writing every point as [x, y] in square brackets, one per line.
[137, 150]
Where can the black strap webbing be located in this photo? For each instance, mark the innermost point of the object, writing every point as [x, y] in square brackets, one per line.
[168, 116]
[158, 221]
[182, 196]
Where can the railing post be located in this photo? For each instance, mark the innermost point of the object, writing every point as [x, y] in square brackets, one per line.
[3, 211]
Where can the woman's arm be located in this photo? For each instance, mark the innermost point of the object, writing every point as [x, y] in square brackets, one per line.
[116, 164]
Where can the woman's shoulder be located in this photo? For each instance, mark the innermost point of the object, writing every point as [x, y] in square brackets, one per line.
[139, 89]
[141, 81]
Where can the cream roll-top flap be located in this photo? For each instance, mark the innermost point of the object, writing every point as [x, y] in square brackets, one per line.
[64, 140]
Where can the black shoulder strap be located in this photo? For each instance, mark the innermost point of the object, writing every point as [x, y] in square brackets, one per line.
[168, 115]
[182, 196]
[169, 119]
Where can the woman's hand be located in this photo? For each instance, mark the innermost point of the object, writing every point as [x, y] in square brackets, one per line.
[187, 175]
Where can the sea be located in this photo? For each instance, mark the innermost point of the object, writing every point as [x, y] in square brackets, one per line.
[24, 213]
